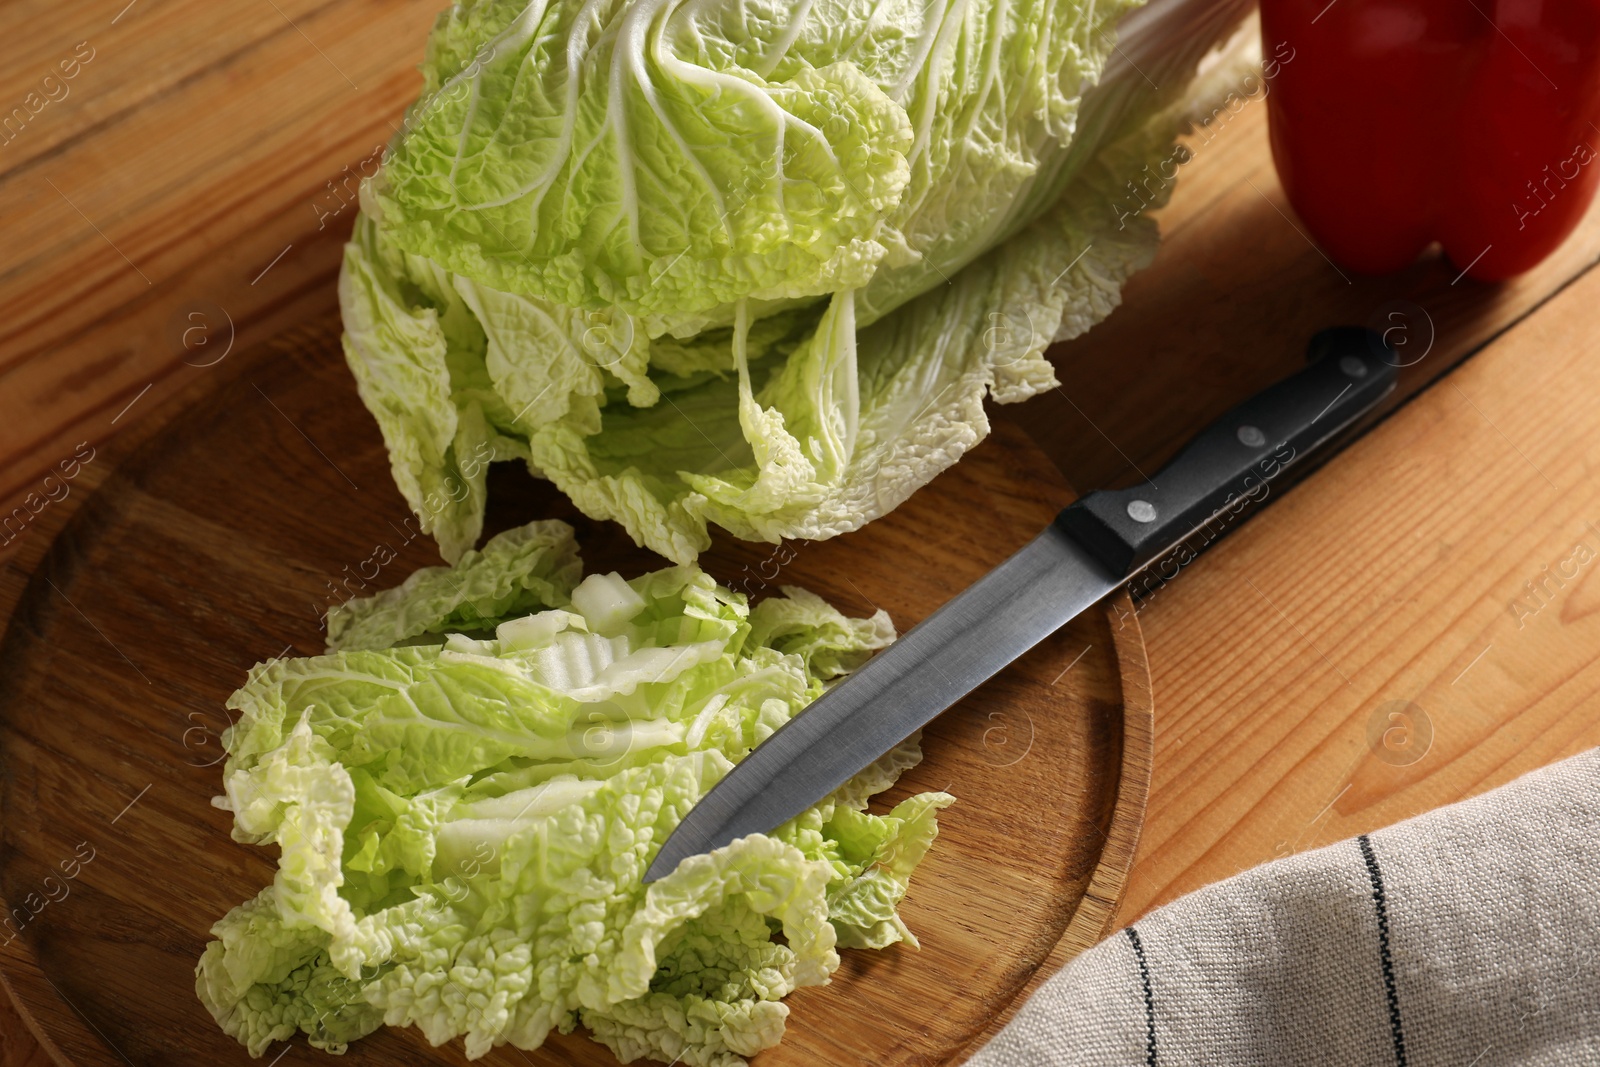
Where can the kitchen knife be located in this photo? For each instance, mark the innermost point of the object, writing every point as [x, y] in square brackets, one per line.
[1094, 547]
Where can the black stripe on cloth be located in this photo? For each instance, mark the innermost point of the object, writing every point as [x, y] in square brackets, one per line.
[1149, 998]
[1380, 904]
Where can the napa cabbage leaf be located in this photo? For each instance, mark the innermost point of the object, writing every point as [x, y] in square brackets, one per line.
[749, 263]
[463, 822]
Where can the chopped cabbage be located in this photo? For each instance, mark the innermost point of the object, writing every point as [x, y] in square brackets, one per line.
[463, 825]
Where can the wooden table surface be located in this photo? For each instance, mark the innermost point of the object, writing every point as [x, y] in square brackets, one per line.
[1415, 623]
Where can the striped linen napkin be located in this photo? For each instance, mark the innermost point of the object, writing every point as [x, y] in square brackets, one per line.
[1466, 937]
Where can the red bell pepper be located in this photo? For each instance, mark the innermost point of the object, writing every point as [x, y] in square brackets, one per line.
[1474, 123]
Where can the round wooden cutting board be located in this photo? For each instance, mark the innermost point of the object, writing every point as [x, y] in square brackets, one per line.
[220, 543]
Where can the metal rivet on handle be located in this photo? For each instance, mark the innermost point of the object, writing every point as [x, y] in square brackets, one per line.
[1251, 436]
[1353, 366]
[1141, 511]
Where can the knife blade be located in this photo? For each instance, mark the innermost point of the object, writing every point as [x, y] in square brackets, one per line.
[1094, 547]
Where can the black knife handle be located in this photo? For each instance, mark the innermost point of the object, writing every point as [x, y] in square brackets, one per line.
[1232, 461]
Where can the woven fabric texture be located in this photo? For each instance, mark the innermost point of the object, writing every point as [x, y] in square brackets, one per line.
[1466, 937]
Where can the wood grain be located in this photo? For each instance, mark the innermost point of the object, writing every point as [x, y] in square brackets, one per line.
[1396, 581]
[143, 210]
[217, 545]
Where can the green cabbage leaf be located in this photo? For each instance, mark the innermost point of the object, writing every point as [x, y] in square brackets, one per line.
[463, 822]
[742, 262]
